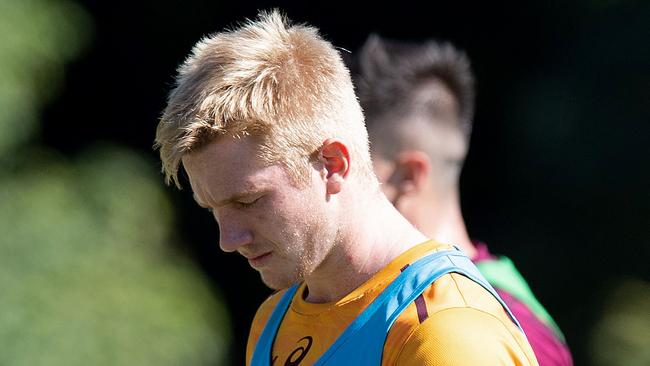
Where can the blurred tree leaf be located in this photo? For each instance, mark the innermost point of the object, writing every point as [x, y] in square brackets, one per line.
[621, 336]
[88, 272]
[87, 275]
[37, 37]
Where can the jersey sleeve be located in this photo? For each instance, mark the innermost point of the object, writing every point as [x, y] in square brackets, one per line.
[464, 337]
[259, 322]
[549, 349]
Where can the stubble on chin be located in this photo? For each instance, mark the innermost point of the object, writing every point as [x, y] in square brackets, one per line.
[306, 245]
[282, 282]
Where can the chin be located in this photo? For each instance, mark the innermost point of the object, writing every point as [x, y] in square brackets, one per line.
[279, 282]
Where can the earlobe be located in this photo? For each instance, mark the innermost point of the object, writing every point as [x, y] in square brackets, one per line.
[334, 184]
[336, 161]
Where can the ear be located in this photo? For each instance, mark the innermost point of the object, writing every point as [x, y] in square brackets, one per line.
[336, 161]
[412, 172]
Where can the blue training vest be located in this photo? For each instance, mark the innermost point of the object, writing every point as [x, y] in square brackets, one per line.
[362, 342]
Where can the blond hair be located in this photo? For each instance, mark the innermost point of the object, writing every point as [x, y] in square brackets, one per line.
[268, 78]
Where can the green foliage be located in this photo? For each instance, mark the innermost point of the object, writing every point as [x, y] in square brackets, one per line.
[621, 336]
[37, 37]
[87, 275]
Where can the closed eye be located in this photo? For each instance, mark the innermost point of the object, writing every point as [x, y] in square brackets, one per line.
[247, 204]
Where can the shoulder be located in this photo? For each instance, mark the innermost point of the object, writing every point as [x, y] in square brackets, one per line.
[462, 336]
[456, 321]
[259, 321]
[547, 345]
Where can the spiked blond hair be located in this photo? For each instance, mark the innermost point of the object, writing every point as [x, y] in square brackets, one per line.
[280, 82]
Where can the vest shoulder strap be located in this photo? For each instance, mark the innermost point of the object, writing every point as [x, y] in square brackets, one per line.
[262, 353]
[369, 330]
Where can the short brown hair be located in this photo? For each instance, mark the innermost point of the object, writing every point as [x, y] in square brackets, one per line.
[403, 89]
[388, 70]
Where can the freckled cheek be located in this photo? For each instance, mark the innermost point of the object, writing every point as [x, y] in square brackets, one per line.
[280, 221]
[265, 223]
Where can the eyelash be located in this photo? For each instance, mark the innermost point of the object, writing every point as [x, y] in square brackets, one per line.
[248, 204]
[241, 204]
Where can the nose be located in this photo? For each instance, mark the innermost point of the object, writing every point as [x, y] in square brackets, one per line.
[233, 235]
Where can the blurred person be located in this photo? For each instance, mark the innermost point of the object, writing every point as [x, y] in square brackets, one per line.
[418, 99]
[265, 123]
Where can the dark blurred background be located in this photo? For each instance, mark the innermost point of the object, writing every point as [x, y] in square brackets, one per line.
[101, 264]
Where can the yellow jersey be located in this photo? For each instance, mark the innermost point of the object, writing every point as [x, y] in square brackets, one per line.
[454, 322]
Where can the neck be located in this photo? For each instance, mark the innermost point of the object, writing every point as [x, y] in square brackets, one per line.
[442, 220]
[379, 235]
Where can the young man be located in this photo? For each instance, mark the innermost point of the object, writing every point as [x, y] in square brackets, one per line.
[266, 124]
[419, 102]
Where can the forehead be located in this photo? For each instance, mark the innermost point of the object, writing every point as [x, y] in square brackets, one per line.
[225, 164]
[223, 152]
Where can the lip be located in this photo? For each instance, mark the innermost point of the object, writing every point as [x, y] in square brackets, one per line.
[259, 261]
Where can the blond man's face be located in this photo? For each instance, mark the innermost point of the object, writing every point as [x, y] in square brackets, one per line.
[283, 230]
